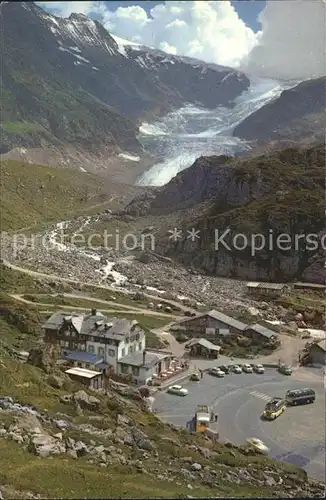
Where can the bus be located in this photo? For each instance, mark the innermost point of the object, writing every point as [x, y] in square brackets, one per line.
[274, 408]
[300, 396]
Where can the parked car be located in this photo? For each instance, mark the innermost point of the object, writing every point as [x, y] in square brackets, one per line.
[195, 377]
[217, 372]
[177, 390]
[258, 369]
[285, 369]
[190, 313]
[237, 369]
[247, 368]
[258, 445]
[225, 369]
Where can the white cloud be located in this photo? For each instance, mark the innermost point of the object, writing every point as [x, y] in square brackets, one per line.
[210, 30]
[292, 42]
[64, 9]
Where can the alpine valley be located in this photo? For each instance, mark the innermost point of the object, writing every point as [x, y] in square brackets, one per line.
[119, 162]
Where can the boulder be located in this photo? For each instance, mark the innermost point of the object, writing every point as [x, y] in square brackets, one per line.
[86, 402]
[45, 445]
[253, 311]
[55, 381]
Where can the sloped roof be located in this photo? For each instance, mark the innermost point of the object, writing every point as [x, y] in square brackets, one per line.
[204, 343]
[136, 359]
[322, 345]
[262, 330]
[269, 286]
[93, 324]
[84, 356]
[219, 316]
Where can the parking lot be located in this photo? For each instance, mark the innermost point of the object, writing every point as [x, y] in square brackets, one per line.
[297, 436]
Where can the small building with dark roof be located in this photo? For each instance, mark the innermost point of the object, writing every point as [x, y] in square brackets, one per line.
[210, 325]
[260, 334]
[202, 348]
[317, 353]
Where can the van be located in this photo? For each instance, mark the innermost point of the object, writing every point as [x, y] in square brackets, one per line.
[300, 396]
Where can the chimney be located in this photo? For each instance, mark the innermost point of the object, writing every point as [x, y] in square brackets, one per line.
[144, 356]
[93, 312]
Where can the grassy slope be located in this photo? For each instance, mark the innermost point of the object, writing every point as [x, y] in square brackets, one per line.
[30, 319]
[31, 194]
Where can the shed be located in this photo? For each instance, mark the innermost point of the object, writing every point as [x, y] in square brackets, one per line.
[90, 378]
[203, 347]
[260, 333]
[309, 286]
[317, 353]
[261, 289]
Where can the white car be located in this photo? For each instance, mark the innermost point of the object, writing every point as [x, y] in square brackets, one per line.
[178, 390]
[217, 372]
[247, 368]
[259, 369]
[237, 369]
[258, 445]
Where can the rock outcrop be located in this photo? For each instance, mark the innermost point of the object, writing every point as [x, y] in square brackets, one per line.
[297, 115]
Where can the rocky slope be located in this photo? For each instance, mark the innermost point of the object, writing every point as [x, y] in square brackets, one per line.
[281, 192]
[297, 115]
[67, 81]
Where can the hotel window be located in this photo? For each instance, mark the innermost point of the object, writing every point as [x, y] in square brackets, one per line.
[62, 343]
[124, 368]
[111, 353]
[90, 348]
[140, 346]
[135, 371]
[100, 351]
[67, 344]
[73, 333]
[67, 333]
[83, 347]
[137, 336]
[130, 349]
[123, 352]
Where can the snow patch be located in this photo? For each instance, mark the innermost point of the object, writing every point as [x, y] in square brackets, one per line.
[95, 68]
[127, 156]
[76, 49]
[82, 169]
[63, 49]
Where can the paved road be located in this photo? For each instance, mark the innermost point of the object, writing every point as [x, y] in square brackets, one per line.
[297, 436]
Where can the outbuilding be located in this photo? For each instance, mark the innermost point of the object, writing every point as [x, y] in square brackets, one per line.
[90, 378]
[260, 334]
[202, 348]
[272, 290]
[317, 353]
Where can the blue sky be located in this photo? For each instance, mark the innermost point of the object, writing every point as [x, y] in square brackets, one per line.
[248, 10]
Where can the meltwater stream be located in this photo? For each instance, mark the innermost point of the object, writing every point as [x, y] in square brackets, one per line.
[179, 138]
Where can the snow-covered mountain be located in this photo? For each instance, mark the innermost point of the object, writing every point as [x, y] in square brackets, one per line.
[76, 83]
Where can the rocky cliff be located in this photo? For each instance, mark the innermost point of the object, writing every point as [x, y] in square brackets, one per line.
[297, 115]
[68, 81]
[282, 192]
